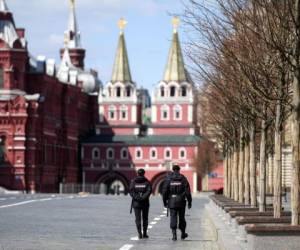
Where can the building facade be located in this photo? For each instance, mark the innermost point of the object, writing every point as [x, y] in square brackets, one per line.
[123, 142]
[59, 125]
[44, 109]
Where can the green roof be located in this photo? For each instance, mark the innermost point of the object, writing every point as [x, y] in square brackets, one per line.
[145, 140]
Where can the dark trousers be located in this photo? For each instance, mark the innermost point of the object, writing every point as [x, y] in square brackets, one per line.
[141, 214]
[176, 213]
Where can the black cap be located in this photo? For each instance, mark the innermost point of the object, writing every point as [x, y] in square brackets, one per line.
[176, 168]
[141, 172]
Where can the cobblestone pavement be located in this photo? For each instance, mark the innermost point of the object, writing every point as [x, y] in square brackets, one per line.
[63, 222]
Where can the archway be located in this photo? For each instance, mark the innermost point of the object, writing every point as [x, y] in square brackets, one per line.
[157, 182]
[113, 183]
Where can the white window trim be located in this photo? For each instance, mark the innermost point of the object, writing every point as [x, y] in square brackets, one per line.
[179, 153]
[141, 155]
[162, 109]
[175, 91]
[186, 91]
[151, 150]
[165, 154]
[127, 153]
[93, 153]
[107, 153]
[121, 91]
[175, 109]
[110, 109]
[164, 91]
[124, 109]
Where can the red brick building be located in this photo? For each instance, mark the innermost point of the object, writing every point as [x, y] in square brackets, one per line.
[123, 143]
[58, 125]
[44, 109]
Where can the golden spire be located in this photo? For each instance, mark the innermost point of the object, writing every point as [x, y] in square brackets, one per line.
[175, 68]
[122, 24]
[72, 3]
[121, 69]
[175, 23]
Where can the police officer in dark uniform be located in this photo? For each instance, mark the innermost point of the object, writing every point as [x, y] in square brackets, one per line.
[140, 191]
[176, 191]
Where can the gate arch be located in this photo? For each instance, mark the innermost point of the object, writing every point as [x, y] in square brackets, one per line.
[157, 182]
[111, 180]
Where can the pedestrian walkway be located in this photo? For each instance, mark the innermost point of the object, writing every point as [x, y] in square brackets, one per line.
[202, 235]
[97, 222]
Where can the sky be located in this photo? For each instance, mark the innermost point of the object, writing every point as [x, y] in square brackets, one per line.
[148, 33]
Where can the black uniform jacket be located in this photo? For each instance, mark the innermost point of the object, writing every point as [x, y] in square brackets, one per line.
[176, 200]
[140, 190]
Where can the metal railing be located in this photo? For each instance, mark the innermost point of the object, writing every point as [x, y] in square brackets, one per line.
[75, 188]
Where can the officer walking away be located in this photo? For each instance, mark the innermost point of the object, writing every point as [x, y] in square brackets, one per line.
[140, 191]
[176, 191]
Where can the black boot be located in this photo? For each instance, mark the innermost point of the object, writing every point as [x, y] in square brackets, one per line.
[184, 235]
[145, 235]
[174, 235]
[139, 229]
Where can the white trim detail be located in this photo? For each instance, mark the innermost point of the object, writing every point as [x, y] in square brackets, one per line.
[195, 182]
[122, 151]
[19, 138]
[165, 153]
[177, 108]
[101, 113]
[139, 149]
[124, 109]
[95, 153]
[150, 153]
[163, 109]
[179, 153]
[154, 113]
[107, 153]
[112, 110]
[133, 113]
[190, 113]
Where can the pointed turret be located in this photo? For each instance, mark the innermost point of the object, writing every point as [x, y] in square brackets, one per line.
[72, 35]
[3, 6]
[121, 70]
[13, 37]
[175, 70]
[72, 40]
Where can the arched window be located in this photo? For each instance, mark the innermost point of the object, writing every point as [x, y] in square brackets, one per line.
[2, 148]
[1, 78]
[172, 91]
[165, 110]
[168, 154]
[162, 91]
[124, 153]
[110, 153]
[183, 91]
[153, 153]
[124, 113]
[138, 153]
[118, 91]
[112, 113]
[128, 91]
[182, 153]
[95, 153]
[177, 112]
